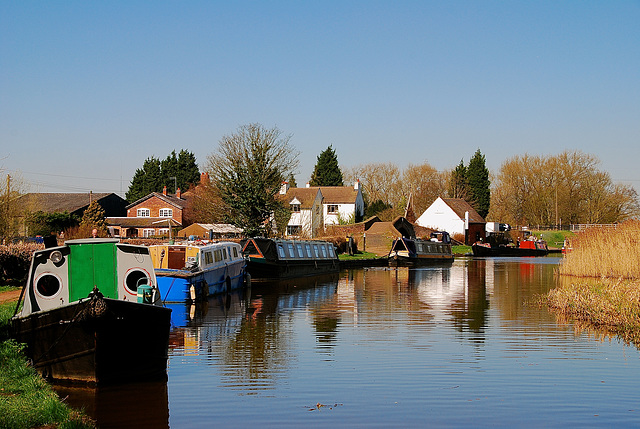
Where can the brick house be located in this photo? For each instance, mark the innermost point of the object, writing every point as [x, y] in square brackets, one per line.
[150, 216]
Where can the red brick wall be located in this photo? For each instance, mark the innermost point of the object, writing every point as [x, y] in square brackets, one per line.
[154, 205]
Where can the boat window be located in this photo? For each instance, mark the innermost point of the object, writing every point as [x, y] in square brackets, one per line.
[208, 258]
[324, 251]
[235, 252]
[292, 252]
[300, 250]
[48, 285]
[315, 250]
[419, 247]
[135, 278]
[331, 252]
[217, 254]
[308, 247]
[281, 251]
[224, 254]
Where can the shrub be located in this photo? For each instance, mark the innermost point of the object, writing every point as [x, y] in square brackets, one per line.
[15, 260]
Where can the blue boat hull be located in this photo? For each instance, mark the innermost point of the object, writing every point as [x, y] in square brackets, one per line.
[184, 285]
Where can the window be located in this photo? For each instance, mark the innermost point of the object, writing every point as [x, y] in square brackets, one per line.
[281, 251]
[308, 247]
[235, 252]
[143, 213]
[208, 258]
[166, 213]
[294, 229]
[292, 252]
[163, 231]
[300, 250]
[148, 232]
[295, 208]
[316, 251]
[217, 254]
[332, 208]
[324, 251]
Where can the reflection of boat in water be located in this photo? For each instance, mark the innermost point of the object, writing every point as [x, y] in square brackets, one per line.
[525, 248]
[195, 270]
[139, 405]
[276, 259]
[92, 313]
[414, 252]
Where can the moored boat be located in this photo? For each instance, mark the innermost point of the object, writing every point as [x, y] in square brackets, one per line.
[414, 252]
[276, 259]
[193, 271]
[91, 313]
[524, 248]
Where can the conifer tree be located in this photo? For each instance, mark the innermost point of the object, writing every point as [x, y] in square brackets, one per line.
[478, 180]
[327, 171]
[458, 185]
[94, 217]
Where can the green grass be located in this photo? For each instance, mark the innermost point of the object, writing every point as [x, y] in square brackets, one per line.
[460, 250]
[26, 400]
[360, 255]
[554, 238]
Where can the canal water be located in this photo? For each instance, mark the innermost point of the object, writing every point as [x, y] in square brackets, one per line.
[458, 345]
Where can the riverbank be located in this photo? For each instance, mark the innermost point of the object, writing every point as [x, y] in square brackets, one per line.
[26, 400]
[599, 281]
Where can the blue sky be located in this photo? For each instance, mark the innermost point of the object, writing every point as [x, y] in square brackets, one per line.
[89, 90]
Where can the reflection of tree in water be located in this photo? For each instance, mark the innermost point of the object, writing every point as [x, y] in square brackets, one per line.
[470, 312]
[325, 321]
[258, 351]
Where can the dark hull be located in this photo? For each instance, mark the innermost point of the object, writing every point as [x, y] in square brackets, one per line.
[97, 341]
[262, 269]
[404, 261]
[507, 251]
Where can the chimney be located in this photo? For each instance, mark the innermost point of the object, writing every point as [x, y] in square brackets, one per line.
[204, 178]
[284, 188]
[178, 193]
[308, 186]
[164, 191]
[356, 185]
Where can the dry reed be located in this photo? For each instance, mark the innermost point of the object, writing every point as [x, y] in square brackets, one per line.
[611, 253]
[600, 281]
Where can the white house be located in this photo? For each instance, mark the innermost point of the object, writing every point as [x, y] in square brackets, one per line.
[314, 207]
[455, 216]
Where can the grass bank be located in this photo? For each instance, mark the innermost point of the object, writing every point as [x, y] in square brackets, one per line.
[26, 400]
[600, 281]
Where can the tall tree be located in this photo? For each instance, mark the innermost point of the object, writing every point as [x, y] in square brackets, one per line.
[248, 170]
[175, 171]
[479, 184]
[458, 185]
[327, 171]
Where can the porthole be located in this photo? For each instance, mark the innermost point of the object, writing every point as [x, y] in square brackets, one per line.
[48, 285]
[135, 278]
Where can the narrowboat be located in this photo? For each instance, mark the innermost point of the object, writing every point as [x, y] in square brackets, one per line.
[410, 252]
[193, 271]
[523, 248]
[91, 313]
[278, 259]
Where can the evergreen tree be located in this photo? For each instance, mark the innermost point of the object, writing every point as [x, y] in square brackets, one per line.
[478, 180]
[155, 175]
[458, 185]
[327, 171]
[94, 217]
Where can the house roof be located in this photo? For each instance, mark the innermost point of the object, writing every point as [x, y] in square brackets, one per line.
[61, 202]
[169, 199]
[142, 222]
[460, 206]
[306, 196]
[338, 194]
[217, 228]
